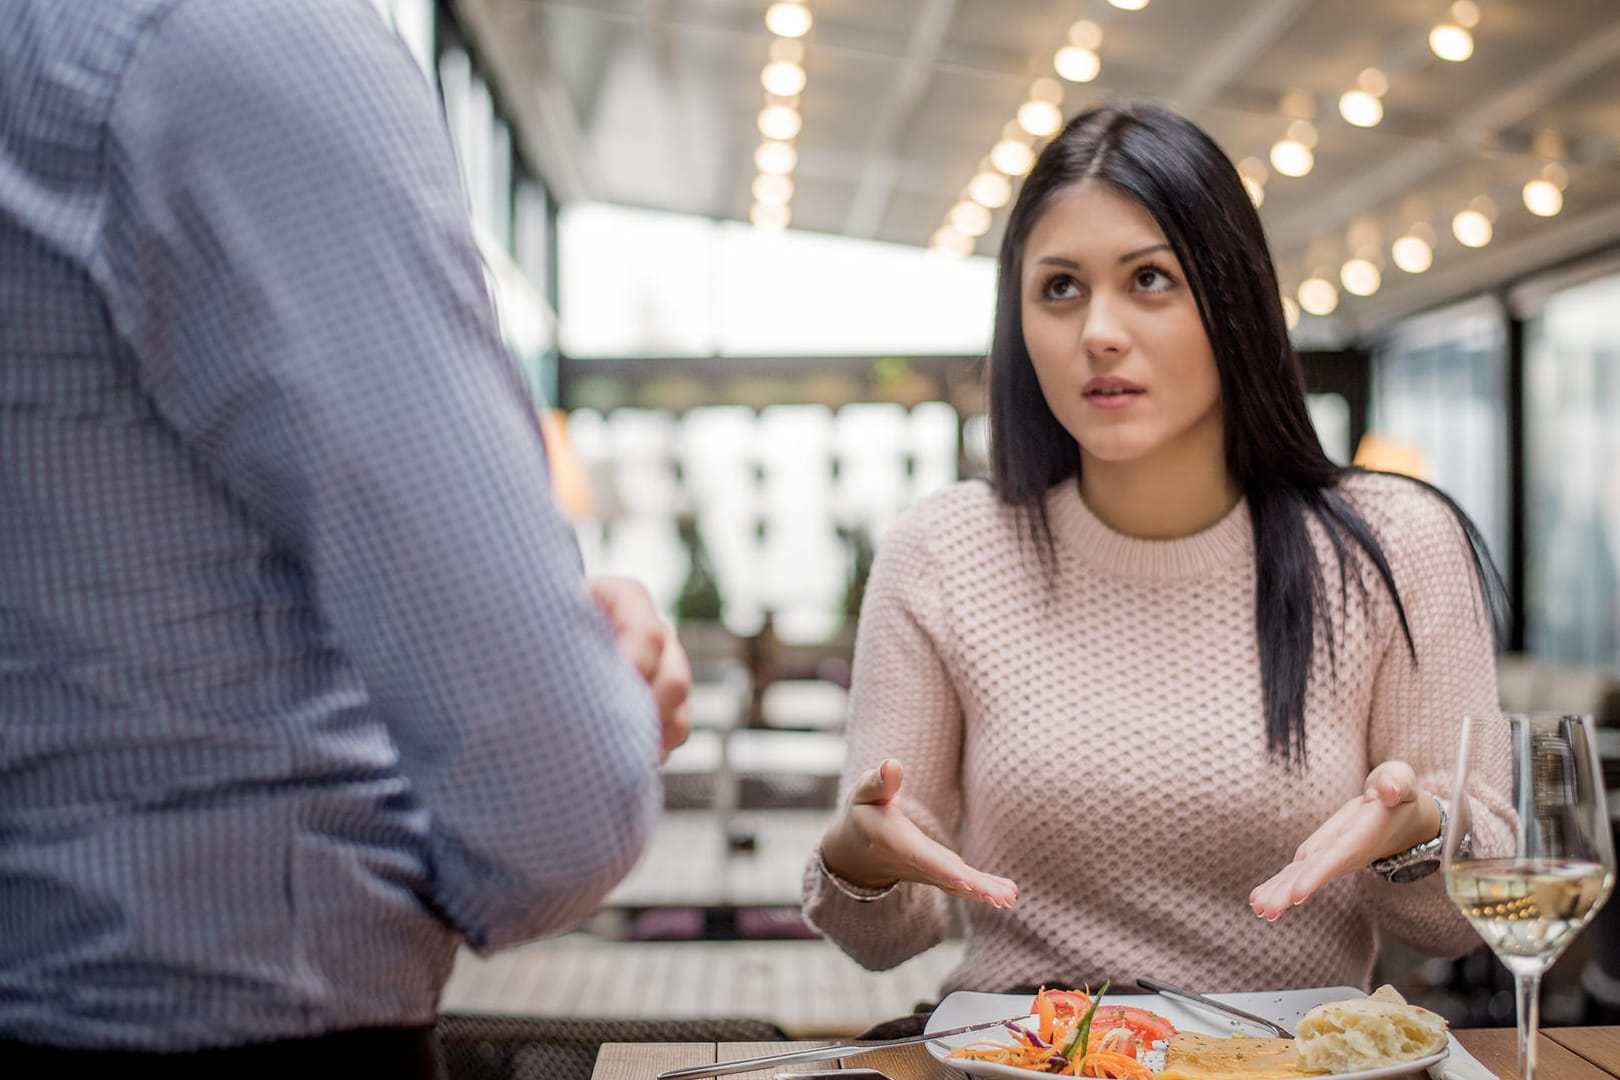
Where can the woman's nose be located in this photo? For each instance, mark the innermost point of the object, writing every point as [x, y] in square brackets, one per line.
[1104, 332]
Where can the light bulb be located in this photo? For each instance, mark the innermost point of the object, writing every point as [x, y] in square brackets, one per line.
[1466, 13]
[1374, 81]
[1077, 64]
[776, 157]
[990, 190]
[1360, 277]
[779, 122]
[951, 242]
[1086, 35]
[1040, 118]
[1543, 198]
[1412, 254]
[1046, 89]
[772, 190]
[787, 50]
[1256, 190]
[788, 19]
[969, 219]
[1361, 109]
[771, 218]
[1290, 312]
[1471, 228]
[782, 78]
[1129, 5]
[1318, 296]
[1012, 157]
[1451, 42]
[1292, 158]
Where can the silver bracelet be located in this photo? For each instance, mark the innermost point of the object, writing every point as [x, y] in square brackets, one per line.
[854, 892]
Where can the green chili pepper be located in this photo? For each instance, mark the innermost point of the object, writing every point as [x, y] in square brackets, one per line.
[1084, 1030]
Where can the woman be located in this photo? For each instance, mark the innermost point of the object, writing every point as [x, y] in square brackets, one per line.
[1175, 669]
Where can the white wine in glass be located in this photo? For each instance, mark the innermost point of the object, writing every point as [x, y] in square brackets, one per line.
[1528, 854]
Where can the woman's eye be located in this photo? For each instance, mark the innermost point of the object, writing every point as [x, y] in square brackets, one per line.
[1062, 287]
[1152, 279]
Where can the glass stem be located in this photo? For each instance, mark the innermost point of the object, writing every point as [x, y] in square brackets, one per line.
[1528, 987]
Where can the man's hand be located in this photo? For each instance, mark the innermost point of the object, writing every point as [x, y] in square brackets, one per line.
[652, 648]
[1390, 815]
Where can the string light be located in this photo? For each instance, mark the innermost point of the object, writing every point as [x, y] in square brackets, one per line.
[1543, 198]
[1471, 228]
[1412, 254]
[990, 189]
[1129, 5]
[773, 218]
[788, 18]
[1360, 277]
[782, 78]
[1360, 108]
[1318, 296]
[951, 242]
[1040, 118]
[771, 190]
[1292, 158]
[778, 158]
[1076, 64]
[780, 122]
[1012, 158]
[969, 219]
[1451, 42]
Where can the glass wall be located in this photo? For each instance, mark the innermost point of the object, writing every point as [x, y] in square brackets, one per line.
[1439, 403]
[1572, 422]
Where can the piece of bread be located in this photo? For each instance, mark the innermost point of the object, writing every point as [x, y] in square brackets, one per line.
[1368, 1033]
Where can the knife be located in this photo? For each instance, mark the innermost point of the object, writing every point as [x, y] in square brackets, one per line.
[824, 1053]
[1210, 1003]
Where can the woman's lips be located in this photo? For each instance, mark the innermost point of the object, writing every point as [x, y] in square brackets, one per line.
[1111, 393]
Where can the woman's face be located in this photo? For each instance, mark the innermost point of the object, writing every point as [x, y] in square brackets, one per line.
[1113, 329]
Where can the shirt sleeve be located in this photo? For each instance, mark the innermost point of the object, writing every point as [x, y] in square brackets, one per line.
[1418, 707]
[291, 266]
[903, 705]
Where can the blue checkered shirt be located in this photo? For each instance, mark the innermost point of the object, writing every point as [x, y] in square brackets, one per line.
[299, 682]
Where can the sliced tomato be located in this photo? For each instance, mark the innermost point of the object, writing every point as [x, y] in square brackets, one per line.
[1148, 1026]
[1069, 1001]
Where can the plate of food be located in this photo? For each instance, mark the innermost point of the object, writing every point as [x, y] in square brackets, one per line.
[1342, 1033]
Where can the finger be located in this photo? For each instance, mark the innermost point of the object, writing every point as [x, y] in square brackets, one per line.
[1278, 893]
[672, 685]
[676, 726]
[1391, 783]
[639, 631]
[938, 865]
[878, 786]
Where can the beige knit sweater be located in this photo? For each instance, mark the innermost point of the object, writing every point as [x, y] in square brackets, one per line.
[1101, 742]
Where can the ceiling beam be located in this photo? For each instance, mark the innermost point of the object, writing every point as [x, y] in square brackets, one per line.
[1240, 47]
[1399, 175]
[912, 75]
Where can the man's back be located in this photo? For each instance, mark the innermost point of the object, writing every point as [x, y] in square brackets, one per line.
[293, 685]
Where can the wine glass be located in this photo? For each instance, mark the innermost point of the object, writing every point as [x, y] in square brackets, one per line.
[1528, 854]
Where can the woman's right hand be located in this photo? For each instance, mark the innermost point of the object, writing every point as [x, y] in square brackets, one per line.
[873, 844]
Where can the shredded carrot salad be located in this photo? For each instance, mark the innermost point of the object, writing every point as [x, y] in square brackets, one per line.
[1077, 1036]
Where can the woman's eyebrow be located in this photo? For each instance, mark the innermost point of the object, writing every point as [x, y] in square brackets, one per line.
[1128, 256]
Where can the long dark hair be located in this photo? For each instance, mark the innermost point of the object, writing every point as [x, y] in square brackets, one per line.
[1180, 176]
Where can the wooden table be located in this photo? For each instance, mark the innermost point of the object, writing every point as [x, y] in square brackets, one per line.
[1591, 1053]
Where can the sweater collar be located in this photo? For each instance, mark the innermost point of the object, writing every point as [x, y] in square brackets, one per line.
[1076, 529]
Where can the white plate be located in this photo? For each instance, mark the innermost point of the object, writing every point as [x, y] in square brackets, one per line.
[1284, 1006]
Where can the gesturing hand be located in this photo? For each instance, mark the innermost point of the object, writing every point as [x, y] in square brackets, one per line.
[1390, 815]
[872, 843]
[652, 648]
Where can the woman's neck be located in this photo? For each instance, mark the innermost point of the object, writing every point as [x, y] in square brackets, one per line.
[1159, 499]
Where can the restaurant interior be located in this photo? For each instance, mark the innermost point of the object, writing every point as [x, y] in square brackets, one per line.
[744, 254]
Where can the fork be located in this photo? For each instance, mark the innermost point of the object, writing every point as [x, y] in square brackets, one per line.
[1210, 1003]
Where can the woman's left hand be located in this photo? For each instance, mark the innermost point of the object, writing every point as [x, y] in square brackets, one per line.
[1390, 815]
